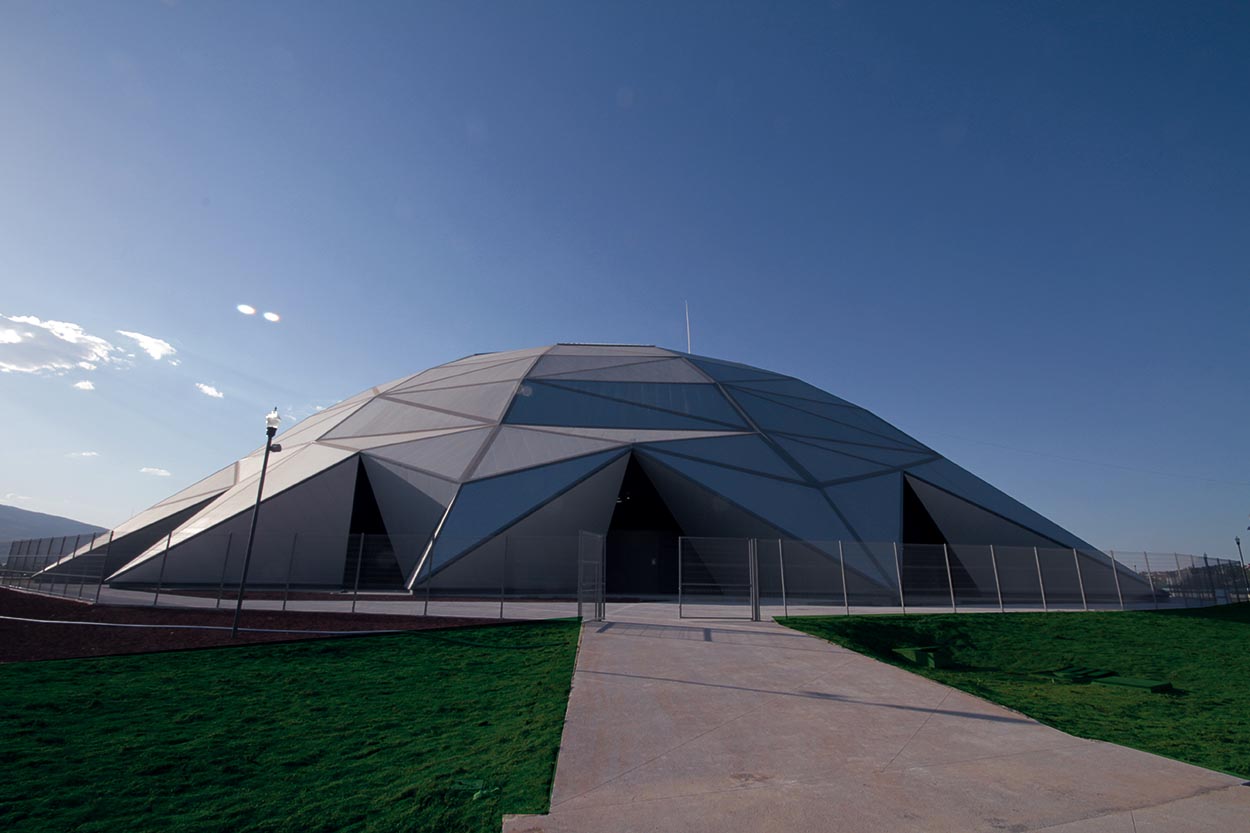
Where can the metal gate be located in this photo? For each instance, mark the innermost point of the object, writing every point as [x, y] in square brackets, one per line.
[717, 578]
[590, 566]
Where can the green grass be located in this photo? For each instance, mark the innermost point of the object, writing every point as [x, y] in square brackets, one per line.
[439, 731]
[1202, 652]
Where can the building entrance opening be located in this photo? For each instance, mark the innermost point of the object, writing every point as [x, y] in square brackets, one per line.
[642, 541]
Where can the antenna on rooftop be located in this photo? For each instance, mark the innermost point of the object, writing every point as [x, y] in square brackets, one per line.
[687, 326]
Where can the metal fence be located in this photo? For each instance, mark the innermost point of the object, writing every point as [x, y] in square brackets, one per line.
[737, 577]
[356, 573]
[537, 577]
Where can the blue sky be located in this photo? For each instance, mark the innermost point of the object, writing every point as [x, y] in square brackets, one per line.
[1016, 231]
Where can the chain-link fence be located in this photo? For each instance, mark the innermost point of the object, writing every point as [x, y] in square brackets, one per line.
[502, 577]
[517, 576]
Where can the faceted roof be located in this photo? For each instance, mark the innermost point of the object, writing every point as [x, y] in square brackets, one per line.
[813, 464]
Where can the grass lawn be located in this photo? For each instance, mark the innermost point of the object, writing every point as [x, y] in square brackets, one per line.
[433, 731]
[1201, 652]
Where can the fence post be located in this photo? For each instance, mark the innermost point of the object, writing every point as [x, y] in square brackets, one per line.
[1080, 579]
[753, 576]
[50, 564]
[1225, 570]
[680, 589]
[1115, 573]
[898, 573]
[104, 564]
[429, 579]
[360, 560]
[225, 562]
[290, 567]
[1041, 583]
[58, 567]
[72, 554]
[56, 563]
[503, 574]
[1185, 595]
[781, 563]
[998, 588]
[82, 576]
[160, 577]
[53, 564]
[846, 599]
[601, 580]
[1154, 595]
[950, 582]
[1206, 570]
[1245, 576]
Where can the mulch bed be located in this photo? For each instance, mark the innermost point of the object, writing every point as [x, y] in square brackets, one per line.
[26, 641]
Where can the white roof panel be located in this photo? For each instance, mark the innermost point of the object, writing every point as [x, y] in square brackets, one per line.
[390, 416]
[519, 448]
[447, 456]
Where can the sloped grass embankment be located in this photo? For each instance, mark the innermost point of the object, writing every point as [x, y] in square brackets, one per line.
[439, 731]
[1203, 652]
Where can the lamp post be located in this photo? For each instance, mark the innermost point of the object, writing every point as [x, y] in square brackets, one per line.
[1245, 577]
[271, 428]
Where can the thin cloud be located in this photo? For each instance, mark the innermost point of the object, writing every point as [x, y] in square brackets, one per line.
[157, 348]
[155, 472]
[50, 347]
[83, 454]
[209, 390]
[84, 385]
[16, 496]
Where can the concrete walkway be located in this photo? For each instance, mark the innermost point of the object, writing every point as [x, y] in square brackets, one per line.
[688, 725]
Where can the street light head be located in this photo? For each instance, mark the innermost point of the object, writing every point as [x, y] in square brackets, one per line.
[272, 419]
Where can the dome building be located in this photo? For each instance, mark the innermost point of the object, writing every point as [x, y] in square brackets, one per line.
[440, 475]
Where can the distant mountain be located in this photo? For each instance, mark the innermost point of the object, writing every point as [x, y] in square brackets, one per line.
[18, 524]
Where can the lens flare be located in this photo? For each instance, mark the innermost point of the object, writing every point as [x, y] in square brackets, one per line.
[272, 316]
[246, 309]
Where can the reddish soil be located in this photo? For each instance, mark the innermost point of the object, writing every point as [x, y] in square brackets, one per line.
[230, 595]
[26, 641]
